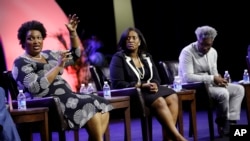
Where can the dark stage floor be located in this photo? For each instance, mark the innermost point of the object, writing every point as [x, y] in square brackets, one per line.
[116, 129]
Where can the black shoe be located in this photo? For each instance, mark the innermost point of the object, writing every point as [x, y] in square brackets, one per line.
[226, 128]
[222, 126]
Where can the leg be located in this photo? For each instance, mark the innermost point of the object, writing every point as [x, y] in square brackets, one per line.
[94, 128]
[172, 102]
[236, 96]
[105, 121]
[166, 112]
[221, 96]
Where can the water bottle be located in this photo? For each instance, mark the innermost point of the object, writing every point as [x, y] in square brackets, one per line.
[21, 100]
[245, 76]
[83, 89]
[227, 76]
[106, 90]
[177, 85]
[90, 88]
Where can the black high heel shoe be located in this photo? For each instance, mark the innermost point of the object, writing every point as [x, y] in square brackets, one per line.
[221, 122]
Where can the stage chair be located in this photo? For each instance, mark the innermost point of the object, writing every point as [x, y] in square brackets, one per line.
[99, 76]
[56, 119]
[169, 69]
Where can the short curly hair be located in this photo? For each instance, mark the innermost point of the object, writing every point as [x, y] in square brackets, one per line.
[205, 32]
[27, 26]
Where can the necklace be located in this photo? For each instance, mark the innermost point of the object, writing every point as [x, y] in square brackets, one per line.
[40, 57]
[141, 73]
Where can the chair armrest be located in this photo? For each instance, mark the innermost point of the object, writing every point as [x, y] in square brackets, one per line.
[121, 92]
[56, 117]
[193, 85]
[132, 91]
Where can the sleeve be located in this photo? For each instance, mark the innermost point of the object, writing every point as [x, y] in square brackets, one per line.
[118, 74]
[186, 66]
[28, 79]
[213, 63]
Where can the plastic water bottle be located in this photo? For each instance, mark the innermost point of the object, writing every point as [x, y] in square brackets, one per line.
[227, 76]
[245, 76]
[21, 100]
[90, 88]
[177, 85]
[106, 90]
[83, 89]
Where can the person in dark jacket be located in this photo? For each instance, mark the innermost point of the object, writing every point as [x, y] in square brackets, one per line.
[132, 66]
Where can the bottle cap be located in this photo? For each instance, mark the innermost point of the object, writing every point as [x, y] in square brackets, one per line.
[105, 82]
[20, 91]
[83, 84]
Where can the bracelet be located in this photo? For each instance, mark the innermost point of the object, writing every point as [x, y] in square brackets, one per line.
[72, 36]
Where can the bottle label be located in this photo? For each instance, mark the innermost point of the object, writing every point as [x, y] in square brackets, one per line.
[107, 94]
[177, 86]
[22, 105]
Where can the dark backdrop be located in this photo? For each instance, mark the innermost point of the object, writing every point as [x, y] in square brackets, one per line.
[169, 26]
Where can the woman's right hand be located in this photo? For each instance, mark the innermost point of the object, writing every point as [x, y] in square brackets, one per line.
[151, 87]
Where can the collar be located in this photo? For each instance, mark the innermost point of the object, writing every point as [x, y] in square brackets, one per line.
[195, 45]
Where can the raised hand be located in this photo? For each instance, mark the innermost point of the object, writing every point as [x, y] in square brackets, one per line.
[73, 23]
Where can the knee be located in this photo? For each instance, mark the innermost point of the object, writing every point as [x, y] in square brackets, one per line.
[159, 102]
[241, 91]
[223, 96]
[105, 116]
[173, 98]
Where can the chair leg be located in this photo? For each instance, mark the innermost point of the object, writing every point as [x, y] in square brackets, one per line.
[62, 136]
[50, 135]
[192, 120]
[145, 129]
[211, 123]
[190, 133]
[76, 135]
[150, 124]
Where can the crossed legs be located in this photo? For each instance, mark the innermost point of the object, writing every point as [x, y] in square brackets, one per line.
[229, 101]
[97, 126]
[166, 110]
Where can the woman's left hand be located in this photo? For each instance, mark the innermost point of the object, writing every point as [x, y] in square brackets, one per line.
[153, 87]
[73, 23]
[63, 58]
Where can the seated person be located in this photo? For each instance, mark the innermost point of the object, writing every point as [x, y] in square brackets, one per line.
[8, 131]
[133, 67]
[198, 63]
[40, 74]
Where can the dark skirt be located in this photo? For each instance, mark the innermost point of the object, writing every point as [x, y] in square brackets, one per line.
[163, 91]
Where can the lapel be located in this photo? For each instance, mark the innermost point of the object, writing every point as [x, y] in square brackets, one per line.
[148, 62]
[129, 62]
